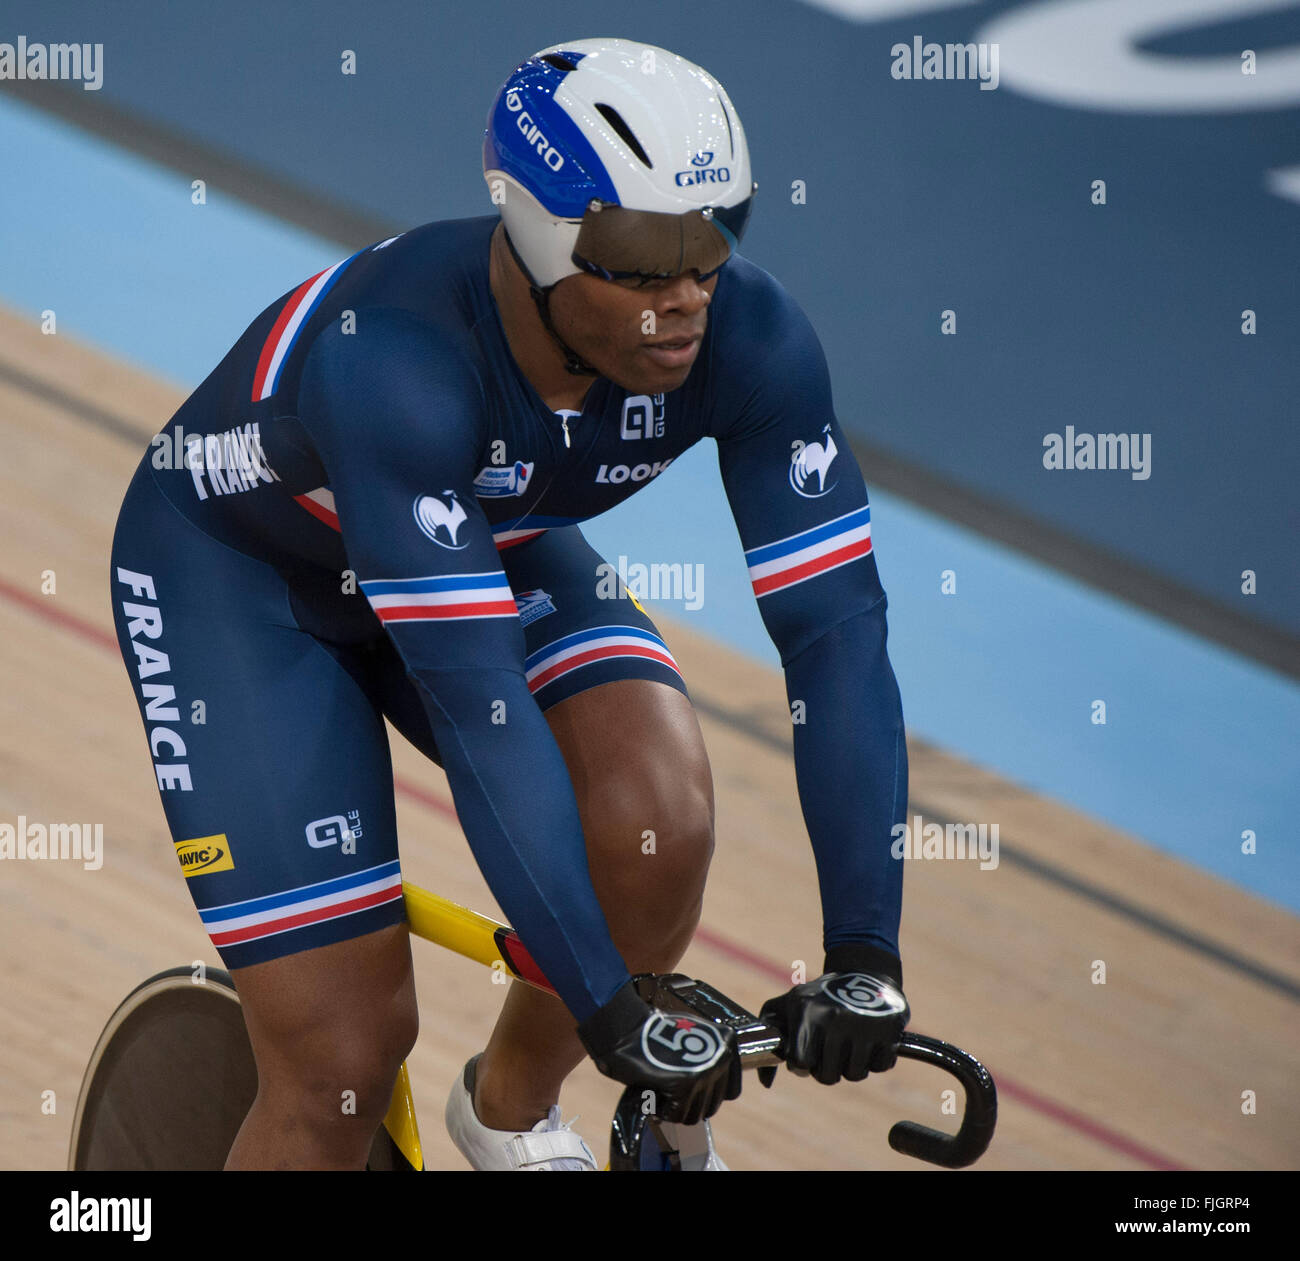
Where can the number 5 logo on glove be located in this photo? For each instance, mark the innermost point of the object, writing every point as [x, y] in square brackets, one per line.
[681, 1045]
[864, 995]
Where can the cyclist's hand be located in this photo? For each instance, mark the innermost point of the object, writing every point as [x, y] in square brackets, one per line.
[843, 1024]
[691, 1066]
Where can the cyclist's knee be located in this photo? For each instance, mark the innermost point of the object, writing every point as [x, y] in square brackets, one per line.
[344, 1072]
[652, 857]
[331, 1027]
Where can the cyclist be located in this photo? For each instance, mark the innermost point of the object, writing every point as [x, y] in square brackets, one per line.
[371, 509]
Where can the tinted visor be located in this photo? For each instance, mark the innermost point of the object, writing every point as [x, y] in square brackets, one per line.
[618, 243]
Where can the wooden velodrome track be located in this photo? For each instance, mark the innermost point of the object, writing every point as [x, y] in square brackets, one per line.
[1144, 1072]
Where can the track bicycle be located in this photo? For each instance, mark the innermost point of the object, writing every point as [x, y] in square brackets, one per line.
[172, 1076]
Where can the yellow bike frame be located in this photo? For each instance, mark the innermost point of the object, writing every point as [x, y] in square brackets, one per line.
[486, 941]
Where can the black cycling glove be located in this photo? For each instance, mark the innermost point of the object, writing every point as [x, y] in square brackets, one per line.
[846, 1023]
[691, 1066]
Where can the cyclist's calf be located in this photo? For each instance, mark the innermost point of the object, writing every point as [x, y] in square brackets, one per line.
[330, 1029]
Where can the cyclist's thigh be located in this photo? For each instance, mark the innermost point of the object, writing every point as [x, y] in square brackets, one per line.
[271, 758]
[578, 632]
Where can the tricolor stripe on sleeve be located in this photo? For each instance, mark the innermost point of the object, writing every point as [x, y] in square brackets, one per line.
[284, 332]
[450, 598]
[600, 643]
[795, 559]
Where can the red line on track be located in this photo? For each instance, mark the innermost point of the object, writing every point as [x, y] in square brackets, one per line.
[42, 606]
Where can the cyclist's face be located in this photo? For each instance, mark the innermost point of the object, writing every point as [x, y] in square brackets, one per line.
[643, 337]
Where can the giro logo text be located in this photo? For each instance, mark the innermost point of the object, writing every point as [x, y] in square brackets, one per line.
[531, 133]
[703, 172]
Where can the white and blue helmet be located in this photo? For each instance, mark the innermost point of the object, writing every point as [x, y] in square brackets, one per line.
[618, 158]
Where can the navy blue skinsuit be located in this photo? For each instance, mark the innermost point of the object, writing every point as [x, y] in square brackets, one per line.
[366, 510]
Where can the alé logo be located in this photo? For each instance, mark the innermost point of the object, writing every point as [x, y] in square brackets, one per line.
[813, 460]
[643, 417]
[703, 172]
[441, 518]
[333, 828]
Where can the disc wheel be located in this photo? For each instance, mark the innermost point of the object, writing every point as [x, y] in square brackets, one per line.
[170, 1079]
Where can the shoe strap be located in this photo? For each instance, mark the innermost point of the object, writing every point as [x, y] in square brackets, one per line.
[541, 1148]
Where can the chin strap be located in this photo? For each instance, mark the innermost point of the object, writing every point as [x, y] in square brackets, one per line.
[574, 363]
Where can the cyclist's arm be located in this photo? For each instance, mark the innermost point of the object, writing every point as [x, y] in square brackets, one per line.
[820, 597]
[396, 413]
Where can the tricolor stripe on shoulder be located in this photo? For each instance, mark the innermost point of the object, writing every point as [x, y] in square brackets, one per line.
[320, 503]
[599, 643]
[452, 597]
[284, 332]
[795, 559]
[512, 538]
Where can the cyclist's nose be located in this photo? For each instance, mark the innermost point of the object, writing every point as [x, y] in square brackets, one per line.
[684, 295]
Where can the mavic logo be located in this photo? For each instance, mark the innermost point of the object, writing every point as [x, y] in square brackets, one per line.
[204, 854]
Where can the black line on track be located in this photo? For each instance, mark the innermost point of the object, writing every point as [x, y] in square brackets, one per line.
[75, 406]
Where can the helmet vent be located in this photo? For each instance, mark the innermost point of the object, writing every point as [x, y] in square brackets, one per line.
[731, 140]
[615, 120]
[559, 61]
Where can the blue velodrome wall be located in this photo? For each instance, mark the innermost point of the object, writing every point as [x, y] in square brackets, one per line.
[921, 197]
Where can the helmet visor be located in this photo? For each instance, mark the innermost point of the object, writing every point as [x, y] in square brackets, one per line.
[617, 243]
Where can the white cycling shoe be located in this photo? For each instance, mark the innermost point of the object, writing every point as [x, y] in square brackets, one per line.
[551, 1145]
